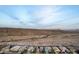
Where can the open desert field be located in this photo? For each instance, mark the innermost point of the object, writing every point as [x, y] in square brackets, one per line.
[38, 37]
[35, 37]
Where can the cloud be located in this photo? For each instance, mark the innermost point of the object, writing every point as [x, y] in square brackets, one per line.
[22, 14]
[47, 15]
[7, 21]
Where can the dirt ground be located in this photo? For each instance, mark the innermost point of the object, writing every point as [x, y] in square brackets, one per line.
[41, 40]
[38, 37]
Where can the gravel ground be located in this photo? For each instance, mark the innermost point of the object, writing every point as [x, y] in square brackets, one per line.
[22, 49]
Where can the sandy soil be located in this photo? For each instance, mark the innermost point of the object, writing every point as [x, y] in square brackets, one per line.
[43, 40]
[38, 37]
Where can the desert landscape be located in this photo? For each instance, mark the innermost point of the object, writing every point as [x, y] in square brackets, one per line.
[51, 41]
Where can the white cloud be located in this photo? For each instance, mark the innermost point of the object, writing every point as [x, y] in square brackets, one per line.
[44, 17]
[23, 15]
[47, 15]
[7, 21]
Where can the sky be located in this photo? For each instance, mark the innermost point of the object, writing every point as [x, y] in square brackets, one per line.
[40, 16]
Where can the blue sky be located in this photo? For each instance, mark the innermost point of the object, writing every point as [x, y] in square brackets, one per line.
[40, 17]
